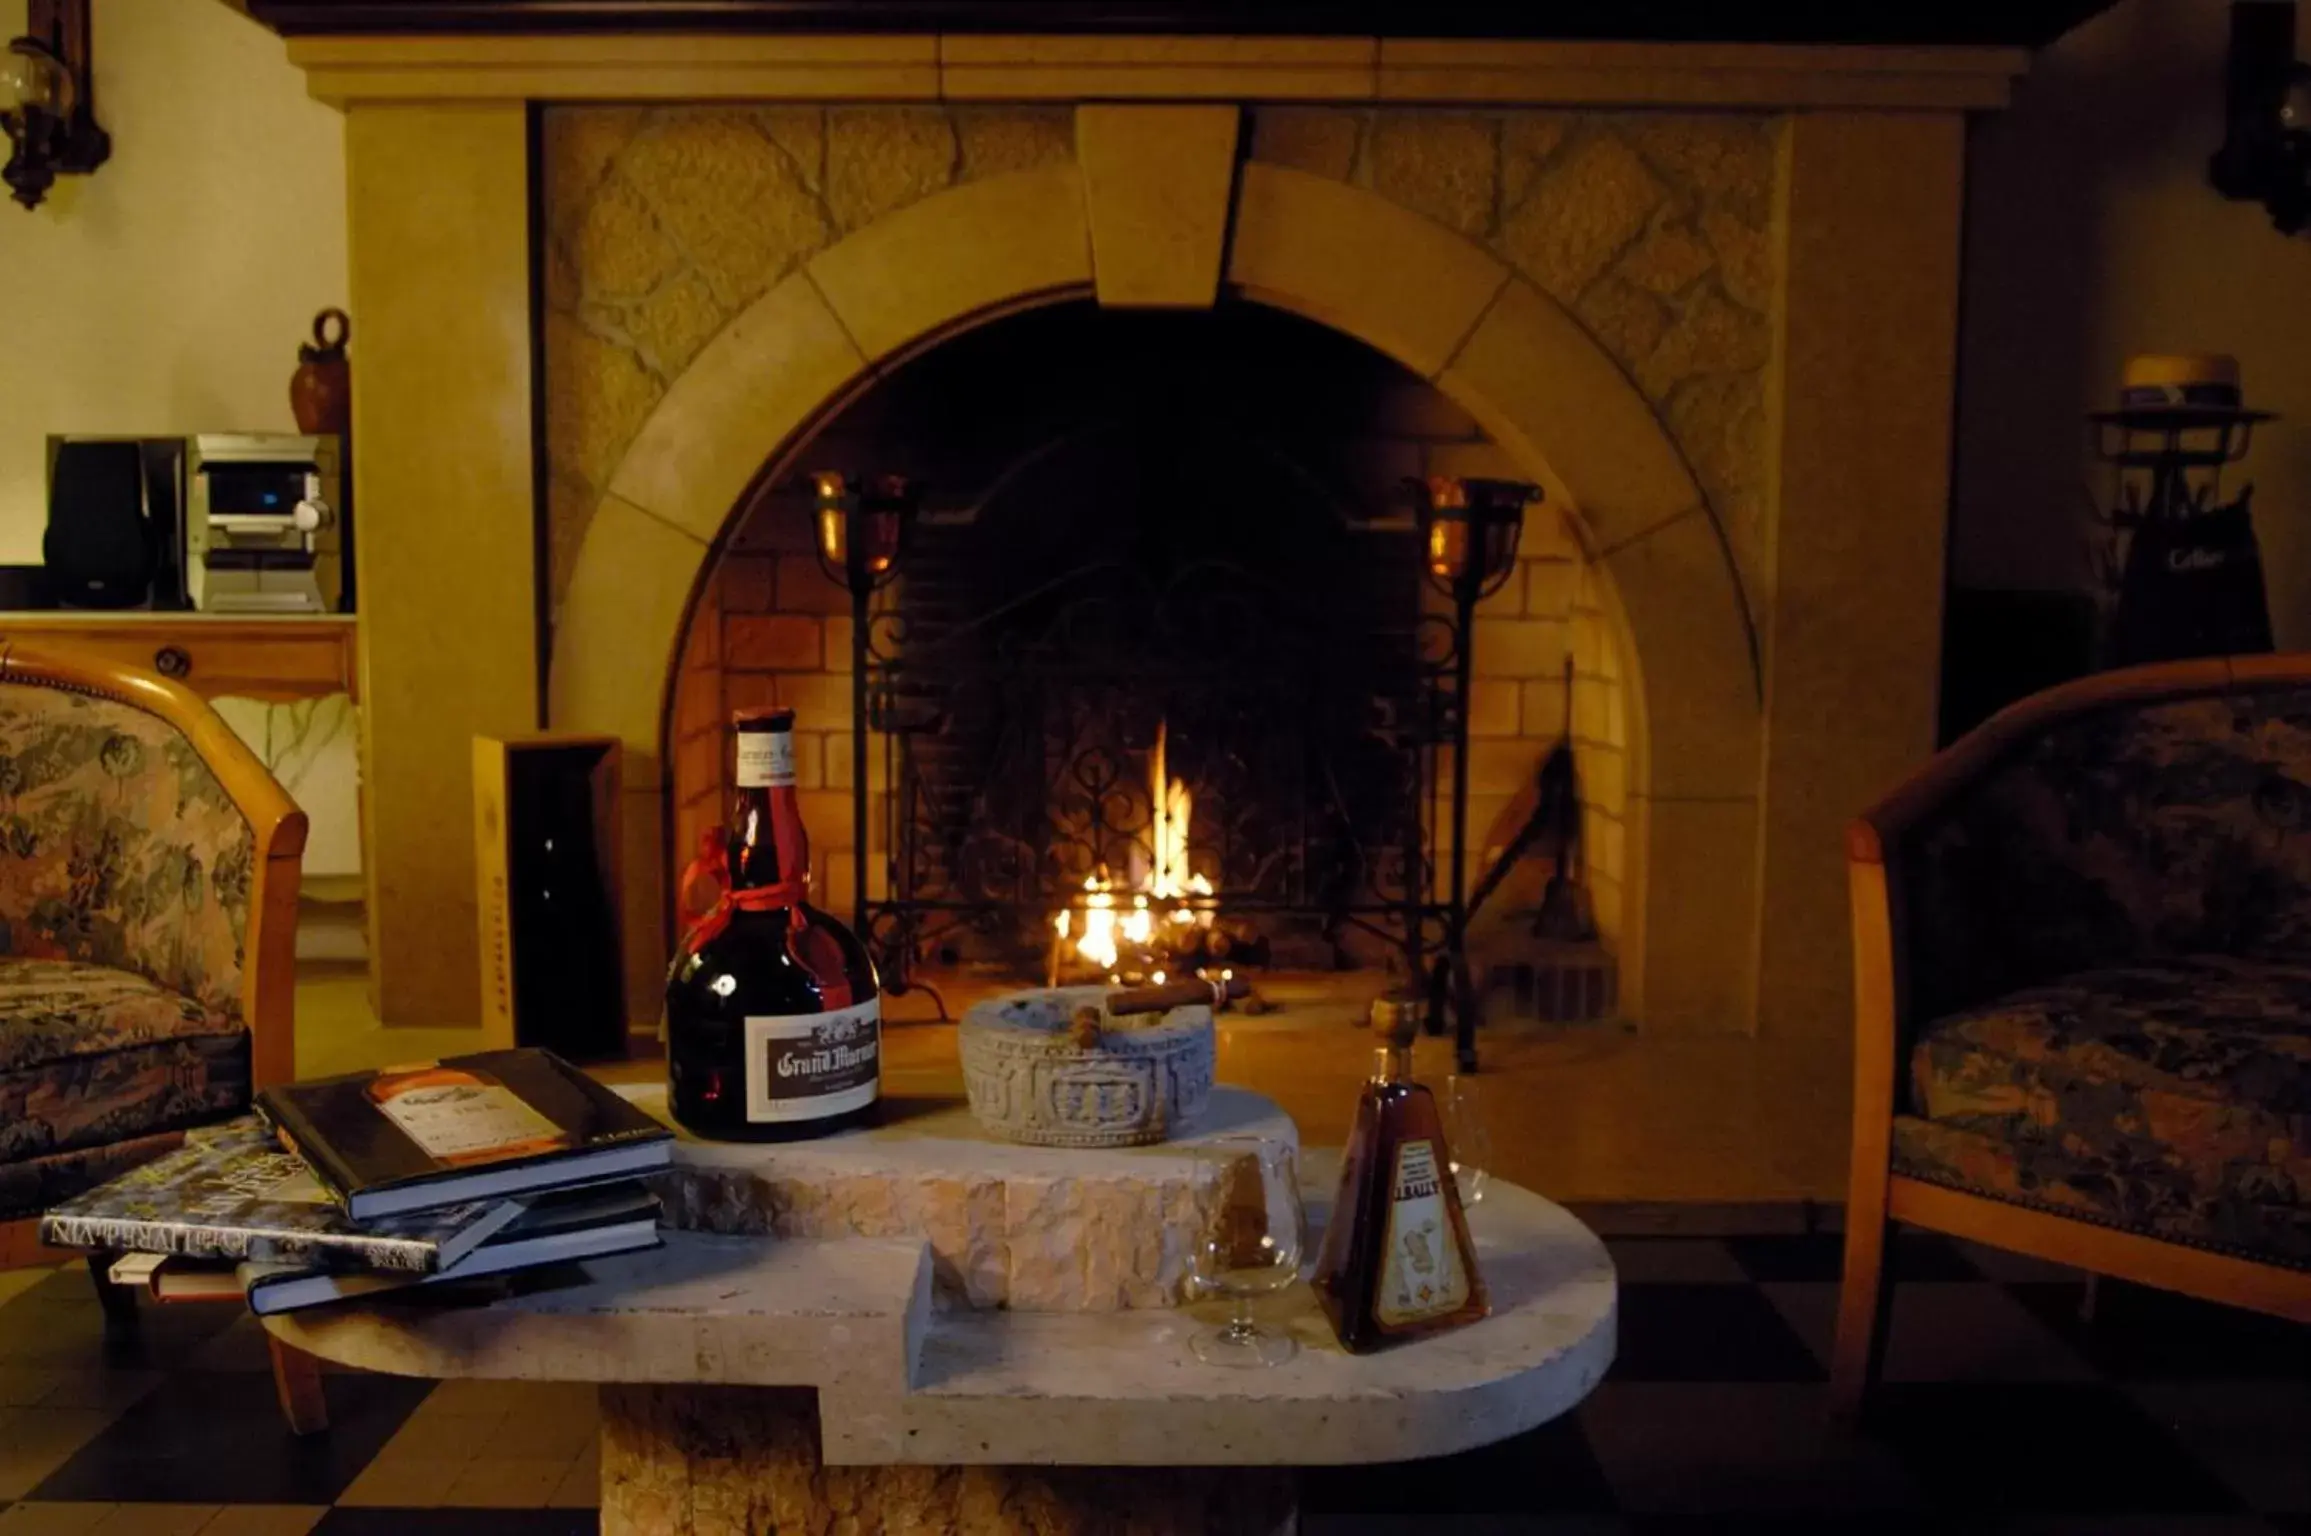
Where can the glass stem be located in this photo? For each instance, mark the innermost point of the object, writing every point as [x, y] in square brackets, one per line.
[1241, 1325]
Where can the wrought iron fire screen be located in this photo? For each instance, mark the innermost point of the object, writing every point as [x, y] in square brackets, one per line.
[1014, 679]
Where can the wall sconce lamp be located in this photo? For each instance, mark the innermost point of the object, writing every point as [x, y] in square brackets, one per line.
[2266, 152]
[46, 103]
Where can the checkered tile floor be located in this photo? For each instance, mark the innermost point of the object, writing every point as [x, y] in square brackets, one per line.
[2004, 1411]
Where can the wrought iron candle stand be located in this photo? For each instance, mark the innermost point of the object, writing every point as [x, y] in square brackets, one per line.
[1470, 530]
[860, 533]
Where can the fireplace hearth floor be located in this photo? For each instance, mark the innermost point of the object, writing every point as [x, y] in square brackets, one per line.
[1592, 1115]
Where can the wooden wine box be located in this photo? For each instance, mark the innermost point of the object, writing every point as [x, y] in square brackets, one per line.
[546, 858]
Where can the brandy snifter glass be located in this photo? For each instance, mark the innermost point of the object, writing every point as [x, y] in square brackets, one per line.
[1251, 1248]
[1467, 1137]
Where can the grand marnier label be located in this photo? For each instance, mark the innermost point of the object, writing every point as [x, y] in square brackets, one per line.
[1420, 1270]
[808, 1066]
[765, 759]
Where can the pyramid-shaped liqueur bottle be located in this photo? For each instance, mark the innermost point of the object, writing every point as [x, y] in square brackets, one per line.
[1396, 1262]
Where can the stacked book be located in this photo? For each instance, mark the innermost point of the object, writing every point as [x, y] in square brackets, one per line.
[381, 1181]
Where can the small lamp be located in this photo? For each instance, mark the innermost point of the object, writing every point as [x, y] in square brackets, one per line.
[861, 529]
[45, 101]
[1470, 529]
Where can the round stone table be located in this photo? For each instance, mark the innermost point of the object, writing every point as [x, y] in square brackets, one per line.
[755, 1383]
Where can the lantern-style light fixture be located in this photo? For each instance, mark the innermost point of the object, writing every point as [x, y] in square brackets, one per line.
[45, 101]
[861, 527]
[2182, 559]
[1470, 529]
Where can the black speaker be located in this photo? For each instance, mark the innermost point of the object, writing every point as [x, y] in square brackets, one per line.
[99, 546]
[115, 522]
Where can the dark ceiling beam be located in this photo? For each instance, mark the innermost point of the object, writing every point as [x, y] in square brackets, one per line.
[2025, 23]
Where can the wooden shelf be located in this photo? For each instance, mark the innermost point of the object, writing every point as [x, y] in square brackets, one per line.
[250, 656]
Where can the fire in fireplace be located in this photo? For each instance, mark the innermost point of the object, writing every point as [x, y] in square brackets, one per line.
[1158, 917]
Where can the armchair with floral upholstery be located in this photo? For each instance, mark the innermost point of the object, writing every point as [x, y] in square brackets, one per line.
[2083, 993]
[148, 892]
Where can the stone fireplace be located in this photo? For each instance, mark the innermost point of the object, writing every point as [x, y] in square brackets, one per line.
[1703, 295]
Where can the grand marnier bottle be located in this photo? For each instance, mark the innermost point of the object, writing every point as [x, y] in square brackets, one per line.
[773, 1014]
[1396, 1262]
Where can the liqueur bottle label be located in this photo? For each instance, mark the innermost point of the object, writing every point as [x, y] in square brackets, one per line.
[456, 1116]
[765, 759]
[1420, 1271]
[807, 1066]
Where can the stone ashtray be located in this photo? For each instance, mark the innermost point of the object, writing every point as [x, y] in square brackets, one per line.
[1052, 1068]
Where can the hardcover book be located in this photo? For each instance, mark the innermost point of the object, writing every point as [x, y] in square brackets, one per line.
[555, 1228]
[232, 1193]
[490, 1126]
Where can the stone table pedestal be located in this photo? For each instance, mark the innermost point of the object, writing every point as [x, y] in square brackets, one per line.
[742, 1461]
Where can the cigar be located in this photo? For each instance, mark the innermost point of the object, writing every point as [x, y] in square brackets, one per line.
[1176, 994]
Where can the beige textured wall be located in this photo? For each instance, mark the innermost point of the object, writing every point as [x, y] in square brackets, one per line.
[1654, 229]
[439, 228]
[2091, 234]
[663, 224]
[1854, 654]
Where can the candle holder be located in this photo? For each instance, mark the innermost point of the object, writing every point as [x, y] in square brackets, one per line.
[1470, 530]
[859, 530]
[1469, 533]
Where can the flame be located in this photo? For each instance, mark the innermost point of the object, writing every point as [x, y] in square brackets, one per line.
[1098, 942]
[1171, 892]
[1172, 880]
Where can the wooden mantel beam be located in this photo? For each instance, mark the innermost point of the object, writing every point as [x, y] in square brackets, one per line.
[2019, 23]
[763, 66]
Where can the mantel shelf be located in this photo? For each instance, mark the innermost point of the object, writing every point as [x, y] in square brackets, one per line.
[2027, 24]
[450, 64]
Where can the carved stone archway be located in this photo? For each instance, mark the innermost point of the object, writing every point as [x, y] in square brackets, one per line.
[1443, 307]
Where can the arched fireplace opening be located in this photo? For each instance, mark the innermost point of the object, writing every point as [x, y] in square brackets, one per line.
[1160, 660]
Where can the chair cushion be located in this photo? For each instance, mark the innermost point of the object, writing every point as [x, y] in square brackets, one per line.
[90, 1055]
[2168, 1097]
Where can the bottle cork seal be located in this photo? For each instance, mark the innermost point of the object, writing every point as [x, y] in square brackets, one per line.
[1396, 1018]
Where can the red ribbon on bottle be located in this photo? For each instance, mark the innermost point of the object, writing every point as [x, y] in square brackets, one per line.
[812, 949]
[713, 864]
